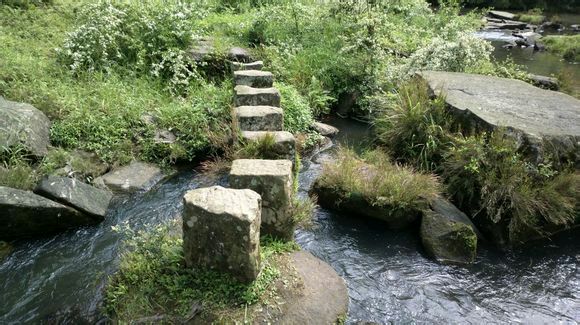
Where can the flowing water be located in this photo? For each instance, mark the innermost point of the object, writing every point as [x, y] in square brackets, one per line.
[389, 278]
[541, 63]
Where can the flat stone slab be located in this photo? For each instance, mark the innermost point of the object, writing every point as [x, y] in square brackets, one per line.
[272, 179]
[257, 65]
[254, 78]
[259, 118]
[502, 14]
[221, 231]
[23, 124]
[137, 176]
[78, 195]
[490, 102]
[325, 129]
[285, 143]
[249, 96]
[24, 214]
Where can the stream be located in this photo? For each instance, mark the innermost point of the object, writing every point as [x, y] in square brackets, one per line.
[390, 279]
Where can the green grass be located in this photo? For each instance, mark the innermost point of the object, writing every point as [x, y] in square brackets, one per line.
[379, 181]
[153, 280]
[567, 46]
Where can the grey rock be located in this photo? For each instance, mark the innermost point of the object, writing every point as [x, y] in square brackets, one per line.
[325, 297]
[203, 51]
[239, 54]
[254, 78]
[502, 14]
[325, 129]
[164, 136]
[575, 27]
[137, 176]
[272, 179]
[507, 24]
[545, 82]
[537, 118]
[259, 118]
[285, 143]
[451, 212]
[23, 124]
[73, 193]
[248, 96]
[24, 214]
[221, 231]
[238, 66]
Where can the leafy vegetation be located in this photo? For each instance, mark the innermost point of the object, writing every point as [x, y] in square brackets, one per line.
[153, 279]
[487, 175]
[380, 182]
[567, 46]
[532, 16]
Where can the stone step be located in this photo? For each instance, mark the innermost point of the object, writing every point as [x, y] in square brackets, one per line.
[249, 96]
[254, 78]
[259, 118]
[237, 66]
[285, 143]
[272, 179]
[221, 231]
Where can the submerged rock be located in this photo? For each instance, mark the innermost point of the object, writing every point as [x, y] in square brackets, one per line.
[23, 124]
[221, 231]
[137, 176]
[80, 196]
[448, 234]
[539, 119]
[25, 214]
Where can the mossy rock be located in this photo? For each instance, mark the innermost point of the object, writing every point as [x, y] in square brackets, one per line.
[448, 241]
[357, 204]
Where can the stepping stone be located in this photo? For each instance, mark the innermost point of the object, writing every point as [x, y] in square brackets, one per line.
[272, 179]
[259, 118]
[254, 78]
[248, 96]
[285, 143]
[237, 66]
[221, 231]
[137, 176]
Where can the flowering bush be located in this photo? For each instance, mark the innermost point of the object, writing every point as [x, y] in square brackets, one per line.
[144, 38]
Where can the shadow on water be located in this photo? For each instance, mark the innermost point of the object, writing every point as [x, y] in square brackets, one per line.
[388, 275]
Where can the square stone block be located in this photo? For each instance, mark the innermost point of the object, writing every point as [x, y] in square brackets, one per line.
[248, 96]
[272, 179]
[284, 146]
[259, 118]
[221, 231]
[254, 78]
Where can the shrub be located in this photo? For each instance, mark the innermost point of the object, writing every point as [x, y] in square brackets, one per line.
[298, 116]
[25, 4]
[567, 46]
[490, 179]
[414, 127]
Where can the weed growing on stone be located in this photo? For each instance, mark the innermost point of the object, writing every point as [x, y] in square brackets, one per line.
[153, 280]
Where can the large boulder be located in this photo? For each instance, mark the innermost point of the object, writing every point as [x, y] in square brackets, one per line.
[25, 214]
[23, 124]
[448, 234]
[539, 119]
[78, 195]
[137, 176]
[502, 14]
[221, 231]
[272, 179]
[325, 129]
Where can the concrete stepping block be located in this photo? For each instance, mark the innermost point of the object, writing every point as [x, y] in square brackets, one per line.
[285, 143]
[249, 96]
[254, 78]
[257, 65]
[272, 179]
[221, 231]
[259, 118]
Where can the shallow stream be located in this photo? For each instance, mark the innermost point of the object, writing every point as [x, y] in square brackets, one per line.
[389, 278]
